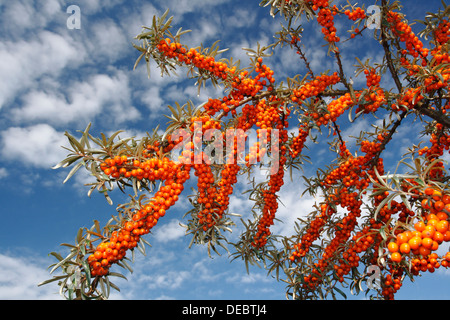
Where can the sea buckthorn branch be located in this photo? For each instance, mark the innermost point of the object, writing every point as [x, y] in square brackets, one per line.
[410, 245]
[303, 57]
[341, 71]
[135, 219]
[245, 101]
[423, 107]
[387, 293]
[295, 42]
[340, 271]
[386, 138]
[349, 172]
[415, 48]
[159, 45]
[387, 53]
[357, 217]
[292, 37]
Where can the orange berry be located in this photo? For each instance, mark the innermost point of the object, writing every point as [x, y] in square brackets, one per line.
[416, 234]
[408, 234]
[438, 237]
[437, 195]
[426, 203]
[396, 257]
[415, 242]
[129, 226]
[402, 238]
[442, 226]
[432, 222]
[419, 226]
[447, 236]
[427, 243]
[442, 215]
[434, 246]
[393, 247]
[424, 251]
[446, 198]
[405, 248]
[428, 232]
[439, 205]
[101, 247]
[98, 255]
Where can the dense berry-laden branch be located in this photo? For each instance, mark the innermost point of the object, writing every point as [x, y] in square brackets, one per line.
[363, 218]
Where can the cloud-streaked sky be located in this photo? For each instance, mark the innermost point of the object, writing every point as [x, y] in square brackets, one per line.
[54, 79]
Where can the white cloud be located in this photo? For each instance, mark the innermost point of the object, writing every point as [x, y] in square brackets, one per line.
[152, 99]
[169, 280]
[19, 279]
[99, 95]
[292, 207]
[237, 53]
[209, 29]
[94, 6]
[19, 16]
[134, 19]
[23, 62]
[254, 278]
[241, 18]
[107, 41]
[203, 31]
[169, 231]
[38, 145]
[181, 7]
[3, 173]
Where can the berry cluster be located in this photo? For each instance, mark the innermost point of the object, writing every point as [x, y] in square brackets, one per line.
[298, 141]
[140, 221]
[325, 18]
[355, 14]
[314, 87]
[429, 232]
[442, 32]
[403, 32]
[254, 101]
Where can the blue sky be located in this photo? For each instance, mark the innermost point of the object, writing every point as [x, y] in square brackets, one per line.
[54, 79]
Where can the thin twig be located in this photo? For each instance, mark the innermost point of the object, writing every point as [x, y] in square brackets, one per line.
[341, 71]
[388, 138]
[387, 52]
[302, 55]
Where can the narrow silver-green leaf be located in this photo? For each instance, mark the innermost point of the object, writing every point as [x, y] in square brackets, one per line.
[70, 256]
[74, 142]
[74, 170]
[52, 280]
[116, 274]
